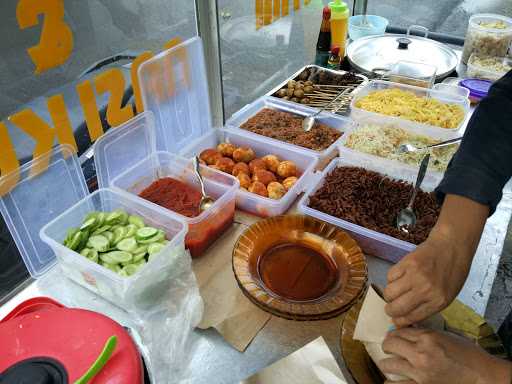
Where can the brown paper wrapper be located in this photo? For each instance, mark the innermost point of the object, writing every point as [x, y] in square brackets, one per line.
[226, 308]
[312, 364]
[374, 324]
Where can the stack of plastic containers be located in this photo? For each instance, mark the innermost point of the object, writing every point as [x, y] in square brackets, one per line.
[488, 35]
[372, 242]
[175, 92]
[42, 208]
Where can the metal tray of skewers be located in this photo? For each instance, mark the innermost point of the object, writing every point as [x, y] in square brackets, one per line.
[316, 87]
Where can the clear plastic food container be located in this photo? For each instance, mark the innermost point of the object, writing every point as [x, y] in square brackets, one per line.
[488, 68]
[487, 35]
[42, 208]
[250, 202]
[371, 242]
[149, 282]
[339, 123]
[439, 135]
[204, 229]
[359, 114]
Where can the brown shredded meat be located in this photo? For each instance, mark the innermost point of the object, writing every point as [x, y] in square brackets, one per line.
[285, 126]
[373, 201]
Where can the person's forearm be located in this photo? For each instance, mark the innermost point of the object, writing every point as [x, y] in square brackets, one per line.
[461, 223]
[496, 371]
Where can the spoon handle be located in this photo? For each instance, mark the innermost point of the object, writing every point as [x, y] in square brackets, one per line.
[421, 175]
[445, 143]
[198, 174]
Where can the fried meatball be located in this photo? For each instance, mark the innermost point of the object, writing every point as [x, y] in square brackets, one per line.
[245, 180]
[226, 149]
[258, 188]
[244, 155]
[272, 162]
[225, 164]
[275, 190]
[289, 182]
[256, 164]
[264, 177]
[287, 169]
[241, 168]
[210, 156]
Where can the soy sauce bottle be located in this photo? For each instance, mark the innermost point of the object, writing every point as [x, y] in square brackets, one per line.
[323, 44]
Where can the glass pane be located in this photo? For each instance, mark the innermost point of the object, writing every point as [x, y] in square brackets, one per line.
[447, 16]
[261, 48]
[48, 46]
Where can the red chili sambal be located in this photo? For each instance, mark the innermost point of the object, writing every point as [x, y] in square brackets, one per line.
[174, 195]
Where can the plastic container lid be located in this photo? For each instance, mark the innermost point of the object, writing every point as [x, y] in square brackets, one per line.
[338, 6]
[176, 111]
[475, 19]
[38, 199]
[477, 88]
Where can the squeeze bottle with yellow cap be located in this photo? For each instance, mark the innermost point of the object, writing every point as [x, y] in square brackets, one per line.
[339, 25]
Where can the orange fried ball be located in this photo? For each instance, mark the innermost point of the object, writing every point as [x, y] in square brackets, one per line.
[257, 164]
[264, 177]
[275, 190]
[210, 156]
[226, 149]
[225, 164]
[245, 180]
[289, 182]
[244, 155]
[259, 189]
[240, 168]
[287, 169]
[272, 162]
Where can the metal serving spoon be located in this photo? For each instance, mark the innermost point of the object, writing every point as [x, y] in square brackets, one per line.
[309, 121]
[406, 148]
[206, 201]
[407, 218]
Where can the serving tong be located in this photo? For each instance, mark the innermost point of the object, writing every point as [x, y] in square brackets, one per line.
[407, 148]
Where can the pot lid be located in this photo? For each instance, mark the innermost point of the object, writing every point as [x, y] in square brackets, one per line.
[55, 344]
[382, 52]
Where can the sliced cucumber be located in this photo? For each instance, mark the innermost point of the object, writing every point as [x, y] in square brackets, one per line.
[119, 234]
[155, 239]
[102, 229]
[127, 245]
[146, 233]
[75, 241]
[137, 221]
[119, 256]
[139, 256]
[155, 248]
[98, 242]
[131, 269]
[109, 235]
[89, 224]
[131, 230]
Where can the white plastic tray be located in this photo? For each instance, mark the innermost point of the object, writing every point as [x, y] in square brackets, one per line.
[359, 114]
[371, 242]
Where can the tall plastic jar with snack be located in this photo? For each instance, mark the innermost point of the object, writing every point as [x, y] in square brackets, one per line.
[339, 25]
[488, 35]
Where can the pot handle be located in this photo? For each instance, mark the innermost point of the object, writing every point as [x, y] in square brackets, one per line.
[418, 28]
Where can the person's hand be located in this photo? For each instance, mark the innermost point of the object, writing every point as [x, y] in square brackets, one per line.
[428, 357]
[425, 281]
